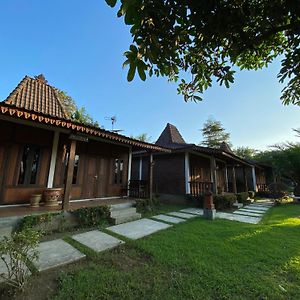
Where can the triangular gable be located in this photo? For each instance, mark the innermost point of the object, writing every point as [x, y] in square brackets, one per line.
[34, 94]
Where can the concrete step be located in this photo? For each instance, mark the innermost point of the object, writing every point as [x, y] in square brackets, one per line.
[123, 212]
[122, 206]
[10, 221]
[5, 231]
[125, 218]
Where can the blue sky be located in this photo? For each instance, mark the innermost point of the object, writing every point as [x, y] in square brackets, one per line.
[78, 45]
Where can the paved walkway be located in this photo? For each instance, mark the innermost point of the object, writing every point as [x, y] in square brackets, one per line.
[58, 252]
[251, 213]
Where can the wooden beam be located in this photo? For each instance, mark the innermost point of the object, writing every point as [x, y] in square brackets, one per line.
[151, 176]
[226, 179]
[214, 178]
[234, 180]
[129, 169]
[70, 170]
[245, 179]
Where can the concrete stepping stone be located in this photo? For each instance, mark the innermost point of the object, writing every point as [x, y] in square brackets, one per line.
[97, 241]
[138, 229]
[252, 211]
[181, 215]
[239, 218]
[193, 211]
[244, 213]
[56, 253]
[264, 209]
[168, 219]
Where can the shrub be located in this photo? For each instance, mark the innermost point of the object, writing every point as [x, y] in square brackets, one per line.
[195, 200]
[144, 205]
[251, 194]
[92, 216]
[242, 197]
[39, 222]
[224, 201]
[15, 252]
[263, 194]
[277, 190]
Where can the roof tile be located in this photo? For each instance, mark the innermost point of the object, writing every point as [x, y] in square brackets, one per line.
[171, 138]
[34, 94]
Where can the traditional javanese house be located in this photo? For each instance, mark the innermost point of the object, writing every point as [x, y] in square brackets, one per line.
[41, 147]
[191, 169]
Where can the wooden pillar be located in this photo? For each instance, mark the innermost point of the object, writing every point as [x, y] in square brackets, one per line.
[213, 169]
[226, 179]
[245, 179]
[70, 170]
[129, 170]
[254, 179]
[53, 159]
[234, 180]
[151, 176]
[187, 173]
[141, 168]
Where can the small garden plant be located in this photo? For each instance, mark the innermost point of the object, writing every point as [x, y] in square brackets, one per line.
[92, 216]
[15, 252]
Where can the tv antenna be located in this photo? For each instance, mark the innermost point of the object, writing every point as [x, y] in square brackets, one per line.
[113, 120]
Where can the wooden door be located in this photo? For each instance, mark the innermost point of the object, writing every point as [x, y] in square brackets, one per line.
[94, 183]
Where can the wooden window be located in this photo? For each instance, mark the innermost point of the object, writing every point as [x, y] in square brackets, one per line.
[119, 167]
[29, 165]
[75, 171]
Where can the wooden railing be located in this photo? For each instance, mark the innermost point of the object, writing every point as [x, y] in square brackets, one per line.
[139, 188]
[262, 187]
[198, 188]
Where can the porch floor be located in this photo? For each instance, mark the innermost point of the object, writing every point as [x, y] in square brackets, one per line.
[28, 210]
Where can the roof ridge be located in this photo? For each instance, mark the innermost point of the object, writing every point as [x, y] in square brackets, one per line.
[60, 102]
[37, 95]
[170, 137]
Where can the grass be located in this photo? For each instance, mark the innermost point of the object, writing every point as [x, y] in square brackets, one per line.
[198, 260]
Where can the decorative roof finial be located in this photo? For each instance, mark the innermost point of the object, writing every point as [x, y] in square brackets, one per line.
[41, 78]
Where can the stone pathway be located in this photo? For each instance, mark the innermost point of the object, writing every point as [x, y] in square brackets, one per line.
[169, 219]
[97, 240]
[58, 252]
[193, 211]
[137, 229]
[181, 215]
[251, 213]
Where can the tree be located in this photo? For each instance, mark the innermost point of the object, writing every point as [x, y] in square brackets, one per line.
[214, 134]
[72, 110]
[80, 115]
[285, 160]
[68, 102]
[211, 39]
[245, 152]
[142, 137]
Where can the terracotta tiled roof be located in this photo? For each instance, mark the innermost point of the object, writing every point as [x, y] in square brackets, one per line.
[171, 138]
[34, 94]
[225, 147]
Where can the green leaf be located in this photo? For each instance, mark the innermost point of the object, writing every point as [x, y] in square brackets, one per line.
[141, 71]
[111, 3]
[131, 72]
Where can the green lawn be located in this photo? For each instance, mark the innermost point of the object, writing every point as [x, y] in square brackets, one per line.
[198, 260]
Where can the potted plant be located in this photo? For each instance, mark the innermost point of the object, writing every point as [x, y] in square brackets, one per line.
[35, 200]
[51, 196]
